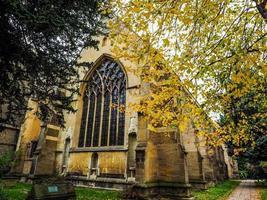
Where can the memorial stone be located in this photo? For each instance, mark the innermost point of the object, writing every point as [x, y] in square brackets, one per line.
[52, 188]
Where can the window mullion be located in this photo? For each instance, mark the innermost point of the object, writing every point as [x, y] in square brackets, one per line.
[93, 125]
[86, 126]
[83, 121]
[118, 117]
[110, 107]
[101, 116]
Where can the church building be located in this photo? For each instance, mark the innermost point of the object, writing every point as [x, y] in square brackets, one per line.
[107, 144]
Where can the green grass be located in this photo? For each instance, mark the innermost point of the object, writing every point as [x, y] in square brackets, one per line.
[264, 194]
[18, 191]
[95, 194]
[218, 192]
[261, 184]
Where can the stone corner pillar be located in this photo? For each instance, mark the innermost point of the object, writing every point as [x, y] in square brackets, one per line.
[35, 164]
[161, 169]
[195, 159]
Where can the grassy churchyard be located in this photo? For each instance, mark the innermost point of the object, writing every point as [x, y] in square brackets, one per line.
[220, 192]
[263, 190]
[264, 194]
[11, 190]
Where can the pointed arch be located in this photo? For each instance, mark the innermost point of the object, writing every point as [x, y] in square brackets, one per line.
[104, 100]
[96, 64]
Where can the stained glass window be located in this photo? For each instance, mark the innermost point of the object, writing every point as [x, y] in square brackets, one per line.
[90, 119]
[103, 116]
[113, 120]
[97, 119]
[83, 124]
[121, 115]
[105, 122]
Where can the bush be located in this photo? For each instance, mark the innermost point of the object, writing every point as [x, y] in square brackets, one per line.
[263, 163]
[3, 195]
[250, 170]
[243, 174]
[5, 162]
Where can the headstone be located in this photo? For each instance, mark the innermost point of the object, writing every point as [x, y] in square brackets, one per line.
[52, 188]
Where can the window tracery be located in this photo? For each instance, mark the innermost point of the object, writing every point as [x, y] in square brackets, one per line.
[103, 116]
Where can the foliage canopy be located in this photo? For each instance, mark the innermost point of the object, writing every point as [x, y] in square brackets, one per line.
[218, 50]
[40, 43]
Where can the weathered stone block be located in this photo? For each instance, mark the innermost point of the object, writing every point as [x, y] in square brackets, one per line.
[52, 188]
[159, 191]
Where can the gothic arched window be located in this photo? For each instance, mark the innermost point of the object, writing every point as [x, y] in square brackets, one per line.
[103, 116]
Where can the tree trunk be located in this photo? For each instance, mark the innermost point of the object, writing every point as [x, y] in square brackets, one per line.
[262, 8]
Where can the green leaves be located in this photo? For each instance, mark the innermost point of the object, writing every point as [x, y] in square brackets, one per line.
[214, 49]
[40, 43]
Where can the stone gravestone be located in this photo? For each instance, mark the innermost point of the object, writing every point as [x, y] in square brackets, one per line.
[52, 188]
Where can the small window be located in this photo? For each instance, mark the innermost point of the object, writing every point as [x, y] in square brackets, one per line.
[94, 161]
[31, 148]
[104, 41]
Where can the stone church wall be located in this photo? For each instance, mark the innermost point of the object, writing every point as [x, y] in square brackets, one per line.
[158, 159]
[9, 135]
[8, 139]
[110, 164]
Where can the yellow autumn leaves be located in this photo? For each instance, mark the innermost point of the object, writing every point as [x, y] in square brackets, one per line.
[213, 52]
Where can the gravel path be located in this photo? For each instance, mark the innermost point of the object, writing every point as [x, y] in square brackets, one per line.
[247, 190]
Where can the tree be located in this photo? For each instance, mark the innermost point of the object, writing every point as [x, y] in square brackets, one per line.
[251, 108]
[40, 43]
[247, 111]
[216, 47]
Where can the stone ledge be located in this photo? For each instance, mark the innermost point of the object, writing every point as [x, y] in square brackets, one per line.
[99, 179]
[98, 149]
[165, 184]
[159, 190]
[104, 183]
[8, 126]
[8, 144]
[197, 181]
[164, 129]
[199, 185]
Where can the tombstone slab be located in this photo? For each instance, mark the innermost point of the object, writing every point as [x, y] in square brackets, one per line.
[52, 188]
